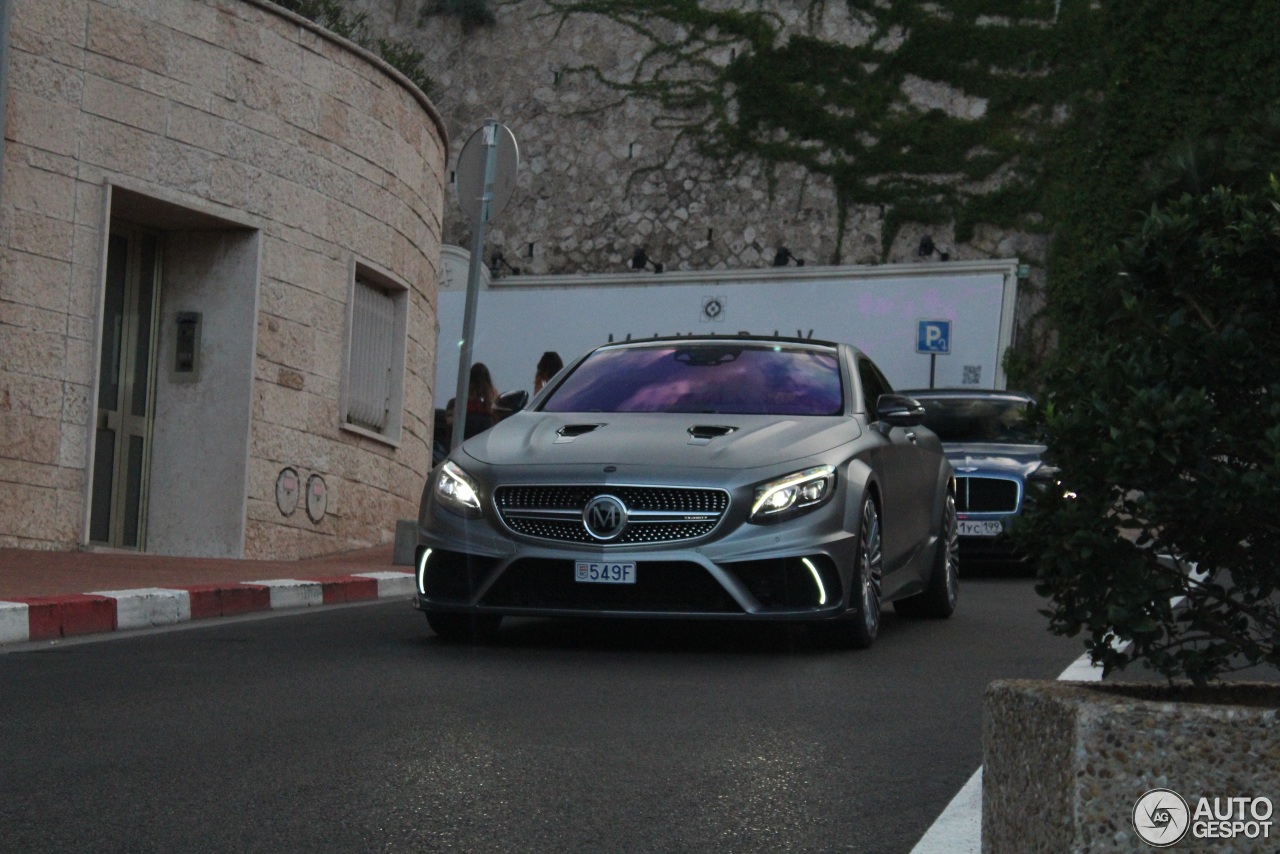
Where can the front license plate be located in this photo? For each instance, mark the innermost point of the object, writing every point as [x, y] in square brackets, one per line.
[981, 529]
[592, 572]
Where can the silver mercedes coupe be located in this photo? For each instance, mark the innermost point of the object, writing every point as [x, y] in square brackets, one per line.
[727, 478]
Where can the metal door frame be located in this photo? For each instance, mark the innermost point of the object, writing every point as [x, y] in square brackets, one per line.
[122, 420]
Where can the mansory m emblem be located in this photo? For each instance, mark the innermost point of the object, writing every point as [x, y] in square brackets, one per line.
[605, 517]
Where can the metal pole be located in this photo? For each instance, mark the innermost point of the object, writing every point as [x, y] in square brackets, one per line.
[473, 285]
[933, 364]
[4, 81]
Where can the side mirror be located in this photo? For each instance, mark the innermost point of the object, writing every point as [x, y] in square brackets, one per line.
[512, 401]
[899, 411]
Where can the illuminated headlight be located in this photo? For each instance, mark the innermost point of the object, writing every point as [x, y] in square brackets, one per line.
[456, 491]
[793, 494]
[1047, 477]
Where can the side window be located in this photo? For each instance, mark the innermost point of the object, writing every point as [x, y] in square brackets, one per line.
[873, 385]
[373, 399]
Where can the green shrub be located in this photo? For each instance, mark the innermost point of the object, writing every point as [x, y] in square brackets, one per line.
[1165, 420]
[336, 17]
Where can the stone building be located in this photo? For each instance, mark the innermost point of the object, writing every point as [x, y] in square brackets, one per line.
[220, 233]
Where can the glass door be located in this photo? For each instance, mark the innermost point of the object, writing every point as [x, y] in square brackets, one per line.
[126, 391]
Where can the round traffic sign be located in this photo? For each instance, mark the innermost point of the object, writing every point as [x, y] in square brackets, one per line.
[471, 165]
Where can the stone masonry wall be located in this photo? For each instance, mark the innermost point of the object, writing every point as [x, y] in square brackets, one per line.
[583, 202]
[228, 107]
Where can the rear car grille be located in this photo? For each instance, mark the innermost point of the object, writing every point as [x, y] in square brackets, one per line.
[653, 514]
[987, 495]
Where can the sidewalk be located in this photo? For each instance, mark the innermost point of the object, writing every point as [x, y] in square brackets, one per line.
[47, 595]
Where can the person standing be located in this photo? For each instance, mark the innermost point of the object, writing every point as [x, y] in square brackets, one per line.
[548, 366]
[481, 398]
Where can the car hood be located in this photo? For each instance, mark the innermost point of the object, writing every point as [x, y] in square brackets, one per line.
[658, 439]
[1019, 460]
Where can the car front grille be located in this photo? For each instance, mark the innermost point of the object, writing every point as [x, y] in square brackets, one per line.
[653, 514]
[987, 495]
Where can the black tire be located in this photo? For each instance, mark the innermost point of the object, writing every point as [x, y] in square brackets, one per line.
[938, 600]
[464, 628]
[860, 625]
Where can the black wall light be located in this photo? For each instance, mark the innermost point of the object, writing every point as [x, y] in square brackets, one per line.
[927, 248]
[641, 259]
[783, 257]
[497, 261]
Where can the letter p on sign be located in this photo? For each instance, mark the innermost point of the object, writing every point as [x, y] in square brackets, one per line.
[934, 337]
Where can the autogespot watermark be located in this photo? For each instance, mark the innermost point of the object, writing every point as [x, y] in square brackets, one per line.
[1163, 818]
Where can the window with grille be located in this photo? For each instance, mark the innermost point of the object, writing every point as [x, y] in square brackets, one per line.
[373, 399]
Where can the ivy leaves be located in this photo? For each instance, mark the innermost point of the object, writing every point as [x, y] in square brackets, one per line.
[934, 112]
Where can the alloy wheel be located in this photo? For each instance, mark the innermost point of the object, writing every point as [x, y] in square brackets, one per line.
[951, 530]
[871, 559]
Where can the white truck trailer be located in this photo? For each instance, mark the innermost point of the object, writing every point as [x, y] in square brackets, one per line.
[951, 321]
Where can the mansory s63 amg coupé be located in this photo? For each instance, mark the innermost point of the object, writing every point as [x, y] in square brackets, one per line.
[734, 478]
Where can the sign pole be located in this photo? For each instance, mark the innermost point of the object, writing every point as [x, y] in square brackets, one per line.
[473, 286]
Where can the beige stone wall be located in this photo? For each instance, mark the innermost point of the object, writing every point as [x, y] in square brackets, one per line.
[237, 109]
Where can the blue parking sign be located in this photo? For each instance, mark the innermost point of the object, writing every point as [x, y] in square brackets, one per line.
[934, 337]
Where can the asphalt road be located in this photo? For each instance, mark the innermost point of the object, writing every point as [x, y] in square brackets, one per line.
[353, 729]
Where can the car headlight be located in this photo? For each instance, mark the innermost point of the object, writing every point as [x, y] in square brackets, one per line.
[795, 493]
[1048, 477]
[456, 491]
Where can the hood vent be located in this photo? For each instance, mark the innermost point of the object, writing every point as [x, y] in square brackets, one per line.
[569, 432]
[703, 434]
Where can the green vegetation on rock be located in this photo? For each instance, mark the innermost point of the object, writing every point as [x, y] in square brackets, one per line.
[1072, 104]
[336, 17]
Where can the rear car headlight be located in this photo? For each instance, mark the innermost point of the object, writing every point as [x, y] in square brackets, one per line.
[793, 494]
[456, 491]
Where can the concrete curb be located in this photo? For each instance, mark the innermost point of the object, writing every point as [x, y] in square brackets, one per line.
[50, 617]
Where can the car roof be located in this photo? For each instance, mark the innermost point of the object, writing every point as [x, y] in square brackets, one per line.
[969, 394]
[721, 339]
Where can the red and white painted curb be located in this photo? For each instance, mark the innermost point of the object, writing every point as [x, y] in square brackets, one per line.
[50, 617]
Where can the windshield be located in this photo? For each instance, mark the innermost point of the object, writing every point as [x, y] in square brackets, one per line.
[704, 377]
[961, 419]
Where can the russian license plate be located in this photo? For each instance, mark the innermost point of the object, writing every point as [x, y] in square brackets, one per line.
[604, 572]
[989, 528]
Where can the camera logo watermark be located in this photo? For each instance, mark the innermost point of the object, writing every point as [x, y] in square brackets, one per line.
[1163, 818]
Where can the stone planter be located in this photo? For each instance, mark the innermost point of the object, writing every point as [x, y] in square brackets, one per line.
[1066, 764]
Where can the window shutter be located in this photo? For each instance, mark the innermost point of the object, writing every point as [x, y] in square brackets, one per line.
[372, 363]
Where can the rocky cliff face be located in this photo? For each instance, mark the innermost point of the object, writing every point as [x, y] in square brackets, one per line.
[603, 175]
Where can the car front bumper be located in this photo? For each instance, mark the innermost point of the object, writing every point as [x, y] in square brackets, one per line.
[791, 571]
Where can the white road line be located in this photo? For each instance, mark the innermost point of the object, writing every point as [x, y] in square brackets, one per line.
[959, 829]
